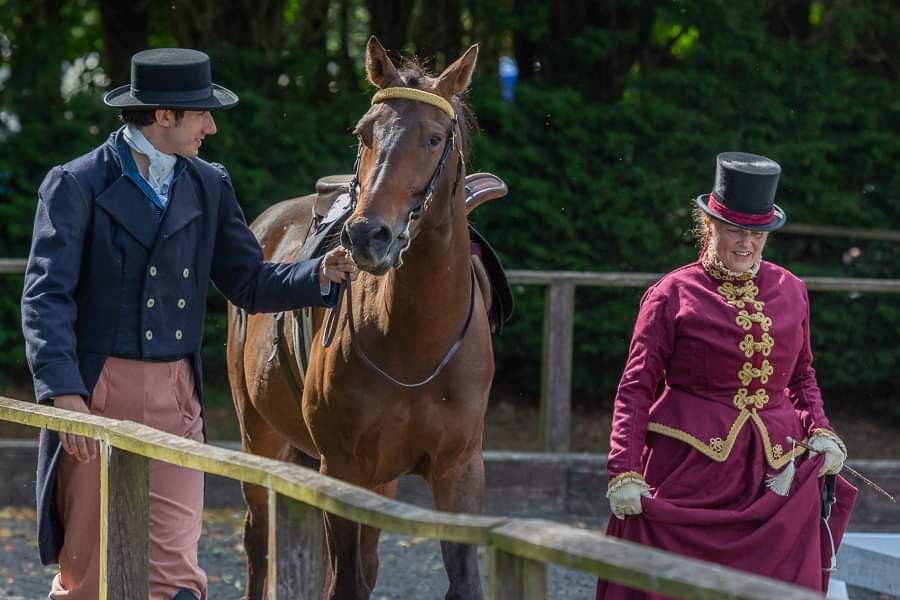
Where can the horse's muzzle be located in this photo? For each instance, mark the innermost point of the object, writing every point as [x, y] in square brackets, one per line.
[371, 244]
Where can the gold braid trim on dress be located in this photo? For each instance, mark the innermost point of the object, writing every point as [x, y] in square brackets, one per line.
[719, 453]
[767, 445]
[623, 478]
[719, 450]
[713, 265]
[741, 296]
[749, 346]
[739, 290]
[746, 320]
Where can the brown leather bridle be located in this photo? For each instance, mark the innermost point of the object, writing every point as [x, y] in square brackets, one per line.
[415, 213]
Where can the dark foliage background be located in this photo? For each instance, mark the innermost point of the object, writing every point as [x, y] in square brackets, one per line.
[620, 110]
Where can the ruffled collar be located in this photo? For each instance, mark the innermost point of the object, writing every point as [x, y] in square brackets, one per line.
[162, 165]
[713, 265]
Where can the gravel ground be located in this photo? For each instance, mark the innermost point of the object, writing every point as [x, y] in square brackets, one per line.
[411, 568]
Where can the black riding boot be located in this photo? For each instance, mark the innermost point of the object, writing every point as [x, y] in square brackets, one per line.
[185, 595]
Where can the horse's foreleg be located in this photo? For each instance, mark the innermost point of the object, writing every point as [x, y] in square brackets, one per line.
[460, 488]
[264, 442]
[348, 581]
[345, 545]
[369, 539]
[256, 527]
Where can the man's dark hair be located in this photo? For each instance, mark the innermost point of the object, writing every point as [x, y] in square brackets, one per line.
[143, 117]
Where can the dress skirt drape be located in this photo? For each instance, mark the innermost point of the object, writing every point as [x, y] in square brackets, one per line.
[723, 512]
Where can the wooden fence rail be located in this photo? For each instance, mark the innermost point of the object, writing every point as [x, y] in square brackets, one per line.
[518, 549]
[12, 265]
[853, 233]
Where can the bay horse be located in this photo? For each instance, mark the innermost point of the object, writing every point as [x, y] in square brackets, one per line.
[418, 307]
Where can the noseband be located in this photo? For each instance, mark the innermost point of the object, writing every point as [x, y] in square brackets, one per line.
[330, 324]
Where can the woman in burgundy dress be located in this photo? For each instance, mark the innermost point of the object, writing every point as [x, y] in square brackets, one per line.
[702, 465]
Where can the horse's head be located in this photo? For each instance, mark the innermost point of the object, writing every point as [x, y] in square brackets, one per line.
[410, 148]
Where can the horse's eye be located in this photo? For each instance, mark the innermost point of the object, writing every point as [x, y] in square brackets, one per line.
[434, 141]
[363, 136]
[363, 132]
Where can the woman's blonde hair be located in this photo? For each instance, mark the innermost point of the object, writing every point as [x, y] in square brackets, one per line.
[702, 229]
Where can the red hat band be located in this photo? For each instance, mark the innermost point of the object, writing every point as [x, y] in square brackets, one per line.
[739, 217]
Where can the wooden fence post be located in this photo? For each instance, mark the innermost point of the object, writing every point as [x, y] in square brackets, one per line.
[556, 367]
[124, 516]
[512, 577]
[296, 549]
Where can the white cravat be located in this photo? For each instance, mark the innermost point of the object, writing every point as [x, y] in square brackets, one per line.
[162, 165]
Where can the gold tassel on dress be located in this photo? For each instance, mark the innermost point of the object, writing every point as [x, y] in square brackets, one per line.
[781, 483]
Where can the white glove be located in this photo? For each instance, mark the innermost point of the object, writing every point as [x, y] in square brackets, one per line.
[834, 452]
[625, 497]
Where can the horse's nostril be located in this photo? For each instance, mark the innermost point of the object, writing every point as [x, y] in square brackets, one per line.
[357, 232]
[382, 235]
[368, 238]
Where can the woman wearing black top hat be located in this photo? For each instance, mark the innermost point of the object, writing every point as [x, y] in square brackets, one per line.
[704, 465]
[126, 240]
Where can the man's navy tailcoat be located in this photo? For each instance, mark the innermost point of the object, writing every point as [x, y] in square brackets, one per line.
[107, 277]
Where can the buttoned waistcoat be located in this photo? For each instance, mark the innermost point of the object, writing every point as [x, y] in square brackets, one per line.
[105, 277]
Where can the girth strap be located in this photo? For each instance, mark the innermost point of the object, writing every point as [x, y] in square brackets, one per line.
[284, 360]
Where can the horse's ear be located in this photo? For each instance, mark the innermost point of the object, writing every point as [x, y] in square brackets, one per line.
[380, 71]
[456, 77]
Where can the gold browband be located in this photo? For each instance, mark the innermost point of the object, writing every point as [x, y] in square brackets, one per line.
[404, 93]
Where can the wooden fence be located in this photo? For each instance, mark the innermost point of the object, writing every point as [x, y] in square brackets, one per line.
[518, 549]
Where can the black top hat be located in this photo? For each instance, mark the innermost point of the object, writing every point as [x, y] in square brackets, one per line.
[175, 78]
[744, 192]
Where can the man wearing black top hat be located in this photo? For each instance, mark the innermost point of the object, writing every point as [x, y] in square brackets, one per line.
[126, 239]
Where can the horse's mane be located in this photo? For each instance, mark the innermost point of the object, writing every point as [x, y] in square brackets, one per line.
[414, 72]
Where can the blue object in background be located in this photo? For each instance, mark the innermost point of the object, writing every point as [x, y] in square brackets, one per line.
[509, 73]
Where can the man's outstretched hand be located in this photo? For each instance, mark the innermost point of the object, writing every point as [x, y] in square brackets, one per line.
[336, 265]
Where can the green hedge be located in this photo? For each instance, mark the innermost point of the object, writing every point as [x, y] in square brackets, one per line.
[601, 186]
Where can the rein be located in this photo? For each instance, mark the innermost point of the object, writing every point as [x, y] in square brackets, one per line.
[330, 325]
[328, 330]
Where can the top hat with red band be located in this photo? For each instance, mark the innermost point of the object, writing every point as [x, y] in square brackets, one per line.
[744, 192]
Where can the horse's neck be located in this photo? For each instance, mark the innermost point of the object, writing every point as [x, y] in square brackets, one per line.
[433, 283]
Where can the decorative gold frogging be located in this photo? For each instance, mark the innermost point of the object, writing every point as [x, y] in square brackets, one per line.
[757, 400]
[748, 372]
[746, 320]
[740, 291]
[749, 346]
[741, 296]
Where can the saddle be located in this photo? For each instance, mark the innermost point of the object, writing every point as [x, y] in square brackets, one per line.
[330, 210]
